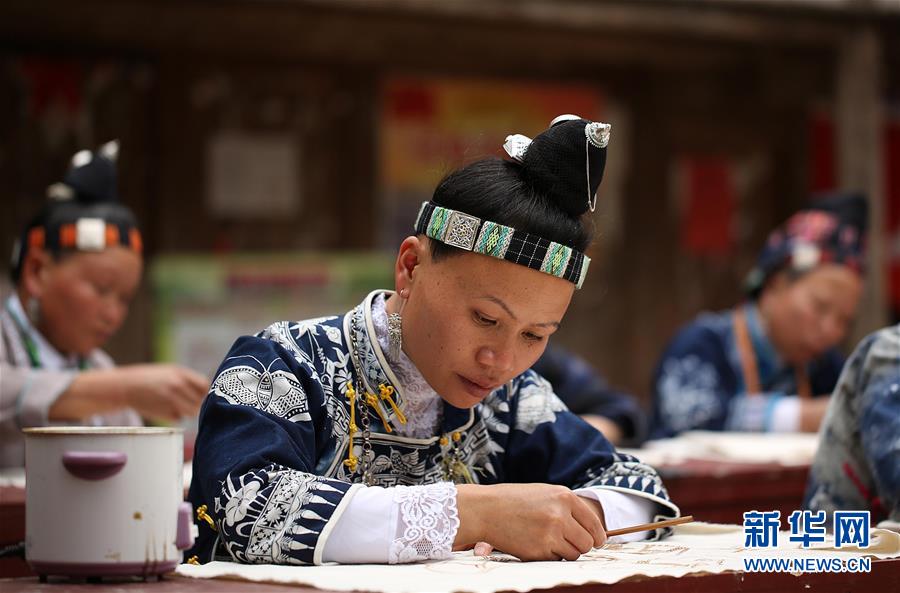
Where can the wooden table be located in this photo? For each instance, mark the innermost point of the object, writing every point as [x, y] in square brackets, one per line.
[12, 529]
[713, 491]
[720, 491]
[885, 576]
[710, 490]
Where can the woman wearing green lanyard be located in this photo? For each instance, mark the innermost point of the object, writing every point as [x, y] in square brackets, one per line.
[76, 268]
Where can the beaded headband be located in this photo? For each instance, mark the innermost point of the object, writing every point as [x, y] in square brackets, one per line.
[503, 242]
[86, 234]
[83, 212]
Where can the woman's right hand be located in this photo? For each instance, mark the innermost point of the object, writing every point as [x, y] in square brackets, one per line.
[529, 521]
[163, 391]
[158, 391]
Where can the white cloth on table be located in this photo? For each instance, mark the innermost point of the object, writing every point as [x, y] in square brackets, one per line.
[695, 548]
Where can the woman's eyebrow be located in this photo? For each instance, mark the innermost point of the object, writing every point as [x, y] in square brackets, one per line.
[496, 300]
[506, 308]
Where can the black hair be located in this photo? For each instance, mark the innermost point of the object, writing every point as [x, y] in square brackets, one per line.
[494, 189]
[89, 190]
[545, 194]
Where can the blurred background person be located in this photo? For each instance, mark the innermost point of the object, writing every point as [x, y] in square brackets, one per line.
[770, 363]
[585, 392]
[75, 270]
[857, 463]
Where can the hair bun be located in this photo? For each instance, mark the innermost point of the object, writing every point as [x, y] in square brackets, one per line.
[92, 177]
[566, 162]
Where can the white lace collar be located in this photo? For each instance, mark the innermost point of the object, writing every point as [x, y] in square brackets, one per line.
[422, 405]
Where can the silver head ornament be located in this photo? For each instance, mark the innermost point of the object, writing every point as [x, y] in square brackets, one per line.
[598, 133]
[516, 145]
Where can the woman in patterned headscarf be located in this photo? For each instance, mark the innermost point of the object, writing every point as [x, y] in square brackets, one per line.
[412, 424]
[76, 268]
[767, 364]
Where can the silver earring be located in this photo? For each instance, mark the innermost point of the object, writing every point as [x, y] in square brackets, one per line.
[395, 335]
[395, 327]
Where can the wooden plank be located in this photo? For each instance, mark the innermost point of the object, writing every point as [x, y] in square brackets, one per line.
[352, 31]
[860, 159]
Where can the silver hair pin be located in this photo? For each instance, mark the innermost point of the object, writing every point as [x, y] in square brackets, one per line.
[596, 133]
[110, 150]
[82, 158]
[60, 191]
[564, 117]
[592, 199]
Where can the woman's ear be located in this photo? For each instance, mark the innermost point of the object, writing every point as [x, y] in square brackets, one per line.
[35, 269]
[409, 257]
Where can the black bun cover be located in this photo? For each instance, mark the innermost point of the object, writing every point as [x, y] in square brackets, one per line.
[93, 178]
[565, 165]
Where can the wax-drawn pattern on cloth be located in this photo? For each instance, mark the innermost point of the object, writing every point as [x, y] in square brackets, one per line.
[371, 368]
[277, 392]
[631, 474]
[337, 369]
[687, 388]
[303, 339]
[311, 331]
[314, 326]
[413, 464]
[477, 451]
[396, 462]
[494, 411]
[657, 553]
[537, 404]
[617, 457]
[275, 515]
[280, 333]
[330, 369]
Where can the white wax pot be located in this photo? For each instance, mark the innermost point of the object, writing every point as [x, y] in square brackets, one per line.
[104, 500]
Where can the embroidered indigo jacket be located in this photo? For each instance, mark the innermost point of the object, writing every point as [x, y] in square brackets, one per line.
[273, 437]
[585, 391]
[857, 464]
[699, 382]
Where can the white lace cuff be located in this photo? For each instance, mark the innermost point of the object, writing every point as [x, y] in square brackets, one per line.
[427, 522]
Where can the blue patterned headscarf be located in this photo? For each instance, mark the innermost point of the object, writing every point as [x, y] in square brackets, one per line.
[831, 229]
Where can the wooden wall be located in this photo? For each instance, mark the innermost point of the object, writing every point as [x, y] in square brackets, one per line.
[166, 76]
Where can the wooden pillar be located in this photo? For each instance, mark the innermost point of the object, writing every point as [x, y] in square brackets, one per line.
[861, 159]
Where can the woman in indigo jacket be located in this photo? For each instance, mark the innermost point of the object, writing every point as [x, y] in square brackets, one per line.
[770, 363]
[857, 464]
[412, 425]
